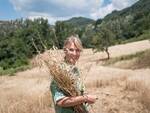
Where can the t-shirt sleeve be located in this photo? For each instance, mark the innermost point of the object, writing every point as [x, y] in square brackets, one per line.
[57, 94]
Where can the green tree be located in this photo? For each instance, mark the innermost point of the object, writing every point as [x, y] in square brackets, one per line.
[102, 40]
[87, 35]
[16, 41]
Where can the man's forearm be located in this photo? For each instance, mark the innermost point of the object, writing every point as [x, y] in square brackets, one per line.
[71, 101]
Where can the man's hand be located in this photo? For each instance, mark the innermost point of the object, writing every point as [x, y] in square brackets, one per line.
[90, 99]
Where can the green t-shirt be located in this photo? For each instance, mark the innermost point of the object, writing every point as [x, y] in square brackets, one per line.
[58, 94]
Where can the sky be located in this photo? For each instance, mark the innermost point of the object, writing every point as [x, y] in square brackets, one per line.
[54, 10]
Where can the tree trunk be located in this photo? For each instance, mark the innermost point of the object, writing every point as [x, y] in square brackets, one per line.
[108, 55]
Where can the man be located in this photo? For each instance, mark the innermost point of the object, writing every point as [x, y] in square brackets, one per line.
[64, 103]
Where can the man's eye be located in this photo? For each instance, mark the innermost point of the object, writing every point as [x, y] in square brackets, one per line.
[77, 50]
[71, 50]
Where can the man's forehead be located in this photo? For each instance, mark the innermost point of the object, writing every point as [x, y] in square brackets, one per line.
[71, 45]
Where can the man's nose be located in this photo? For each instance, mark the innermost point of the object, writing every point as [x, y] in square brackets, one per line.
[74, 52]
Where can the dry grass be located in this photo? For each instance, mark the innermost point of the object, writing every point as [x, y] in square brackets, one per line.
[27, 92]
[21, 103]
[140, 83]
[124, 91]
[145, 97]
[15, 101]
[119, 90]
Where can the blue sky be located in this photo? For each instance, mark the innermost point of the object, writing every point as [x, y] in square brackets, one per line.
[55, 10]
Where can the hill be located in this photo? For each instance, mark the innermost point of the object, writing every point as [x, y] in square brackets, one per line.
[80, 21]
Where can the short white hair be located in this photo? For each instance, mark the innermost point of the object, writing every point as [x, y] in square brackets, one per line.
[75, 40]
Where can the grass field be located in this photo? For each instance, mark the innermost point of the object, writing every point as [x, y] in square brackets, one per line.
[120, 90]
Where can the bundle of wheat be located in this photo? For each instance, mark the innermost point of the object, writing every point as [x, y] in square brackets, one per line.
[62, 74]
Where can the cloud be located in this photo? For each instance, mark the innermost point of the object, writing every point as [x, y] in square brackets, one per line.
[19, 5]
[51, 19]
[59, 8]
[64, 9]
[113, 5]
[120, 4]
[103, 11]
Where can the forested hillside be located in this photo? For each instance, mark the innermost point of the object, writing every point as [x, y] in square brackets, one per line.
[130, 22]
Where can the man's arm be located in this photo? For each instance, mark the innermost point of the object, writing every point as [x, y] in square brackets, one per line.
[72, 101]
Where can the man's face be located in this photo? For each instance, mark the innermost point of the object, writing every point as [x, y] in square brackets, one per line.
[72, 53]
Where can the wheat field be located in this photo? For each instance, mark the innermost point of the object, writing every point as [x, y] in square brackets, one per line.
[118, 90]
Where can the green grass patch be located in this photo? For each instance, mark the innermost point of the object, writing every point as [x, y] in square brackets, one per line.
[142, 59]
[12, 71]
